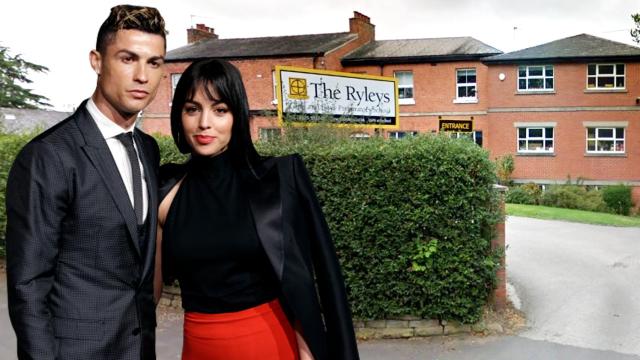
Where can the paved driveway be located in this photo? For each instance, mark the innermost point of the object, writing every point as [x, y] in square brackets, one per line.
[578, 284]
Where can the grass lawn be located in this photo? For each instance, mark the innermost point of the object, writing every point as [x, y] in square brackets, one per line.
[588, 217]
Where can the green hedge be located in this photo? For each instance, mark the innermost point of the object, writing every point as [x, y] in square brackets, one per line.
[618, 199]
[412, 219]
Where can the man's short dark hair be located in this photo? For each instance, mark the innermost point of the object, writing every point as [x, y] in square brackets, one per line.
[130, 17]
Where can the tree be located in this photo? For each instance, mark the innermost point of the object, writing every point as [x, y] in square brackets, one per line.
[635, 33]
[13, 74]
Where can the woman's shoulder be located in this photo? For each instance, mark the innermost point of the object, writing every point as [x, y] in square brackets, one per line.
[170, 175]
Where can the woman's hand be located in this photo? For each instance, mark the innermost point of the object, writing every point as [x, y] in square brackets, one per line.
[303, 349]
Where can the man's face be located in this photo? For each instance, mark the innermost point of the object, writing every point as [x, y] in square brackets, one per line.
[129, 72]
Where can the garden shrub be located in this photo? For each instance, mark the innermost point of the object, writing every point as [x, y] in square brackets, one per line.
[573, 197]
[412, 221]
[618, 199]
[527, 194]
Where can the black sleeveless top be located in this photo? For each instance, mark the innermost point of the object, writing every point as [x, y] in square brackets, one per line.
[210, 240]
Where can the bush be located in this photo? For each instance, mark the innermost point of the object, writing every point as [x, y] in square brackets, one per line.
[618, 199]
[573, 197]
[505, 165]
[10, 145]
[527, 194]
[412, 221]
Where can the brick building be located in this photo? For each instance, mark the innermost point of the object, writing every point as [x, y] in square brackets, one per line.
[565, 109]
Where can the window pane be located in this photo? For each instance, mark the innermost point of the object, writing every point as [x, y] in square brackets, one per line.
[548, 83]
[522, 84]
[522, 133]
[620, 69]
[591, 145]
[535, 132]
[605, 145]
[522, 145]
[605, 81]
[462, 79]
[605, 69]
[409, 93]
[591, 69]
[605, 133]
[535, 71]
[548, 132]
[619, 133]
[591, 133]
[471, 91]
[548, 71]
[548, 145]
[535, 84]
[619, 146]
[522, 71]
[462, 92]
[591, 82]
[536, 145]
[478, 137]
[620, 81]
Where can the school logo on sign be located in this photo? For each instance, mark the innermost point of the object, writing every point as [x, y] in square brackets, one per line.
[298, 88]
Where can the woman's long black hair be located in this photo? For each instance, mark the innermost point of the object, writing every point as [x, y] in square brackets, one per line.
[223, 79]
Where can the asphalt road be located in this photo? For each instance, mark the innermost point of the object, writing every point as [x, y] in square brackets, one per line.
[576, 283]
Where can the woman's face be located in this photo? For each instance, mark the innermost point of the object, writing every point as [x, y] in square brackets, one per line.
[207, 124]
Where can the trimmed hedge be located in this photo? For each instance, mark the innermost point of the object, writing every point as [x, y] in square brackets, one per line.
[618, 199]
[412, 221]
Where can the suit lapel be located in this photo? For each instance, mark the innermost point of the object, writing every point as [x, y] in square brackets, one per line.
[266, 207]
[152, 190]
[100, 156]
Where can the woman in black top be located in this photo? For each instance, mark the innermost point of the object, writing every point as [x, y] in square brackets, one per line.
[245, 236]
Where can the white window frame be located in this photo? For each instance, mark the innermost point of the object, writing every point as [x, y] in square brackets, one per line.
[405, 100]
[275, 88]
[474, 85]
[597, 75]
[175, 77]
[544, 77]
[529, 138]
[401, 134]
[597, 138]
[269, 133]
[469, 135]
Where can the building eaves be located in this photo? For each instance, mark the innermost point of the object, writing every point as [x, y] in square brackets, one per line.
[262, 47]
[25, 120]
[578, 48]
[420, 51]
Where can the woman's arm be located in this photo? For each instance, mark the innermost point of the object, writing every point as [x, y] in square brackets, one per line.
[163, 209]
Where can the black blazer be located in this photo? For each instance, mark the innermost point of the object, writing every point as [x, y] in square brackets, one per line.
[79, 286]
[296, 238]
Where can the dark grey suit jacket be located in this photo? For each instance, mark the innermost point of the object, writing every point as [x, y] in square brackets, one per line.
[78, 285]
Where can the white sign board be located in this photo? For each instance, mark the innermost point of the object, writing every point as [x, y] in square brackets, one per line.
[312, 96]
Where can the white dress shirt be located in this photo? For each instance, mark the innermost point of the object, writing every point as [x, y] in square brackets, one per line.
[109, 131]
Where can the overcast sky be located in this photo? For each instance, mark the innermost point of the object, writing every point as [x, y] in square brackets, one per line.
[59, 34]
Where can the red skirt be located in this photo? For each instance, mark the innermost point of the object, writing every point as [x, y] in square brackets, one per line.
[262, 332]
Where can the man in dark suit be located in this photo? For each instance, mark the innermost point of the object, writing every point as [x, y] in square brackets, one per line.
[82, 209]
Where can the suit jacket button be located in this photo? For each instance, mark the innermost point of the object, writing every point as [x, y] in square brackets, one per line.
[136, 331]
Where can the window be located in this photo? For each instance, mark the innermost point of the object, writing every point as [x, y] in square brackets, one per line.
[535, 78]
[401, 134]
[267, 134]
[174, 82]
[605, 76]
[275, 87]
[359, 136]
[475, 136]
[405, 86]
[535, 139]
[466, 84]
[605, 140]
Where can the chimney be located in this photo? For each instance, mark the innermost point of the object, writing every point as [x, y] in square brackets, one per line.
[201, 32]
[361, 24]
